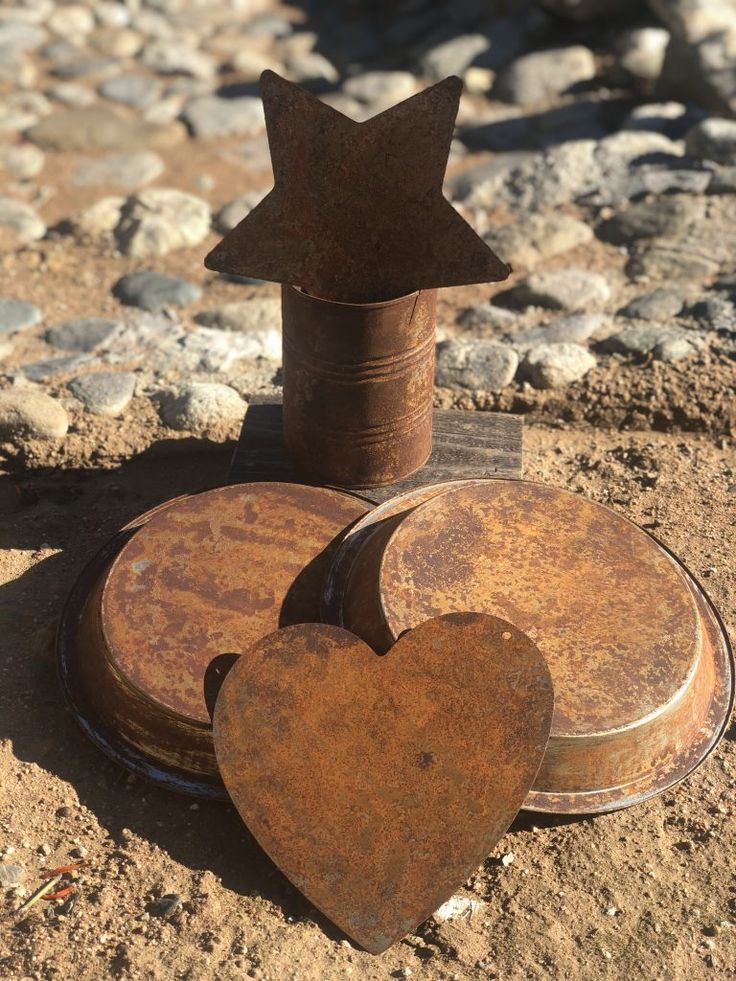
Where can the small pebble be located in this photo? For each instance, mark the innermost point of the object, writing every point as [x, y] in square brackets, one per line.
[105, 393]
[202, 405]
[83, 334]
[16, 315]
[154, 291]
[31, 414]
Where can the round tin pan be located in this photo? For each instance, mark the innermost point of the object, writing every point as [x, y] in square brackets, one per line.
[157, 617]
[641, 664]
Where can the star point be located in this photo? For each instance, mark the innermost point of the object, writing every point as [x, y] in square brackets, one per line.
[357, 212]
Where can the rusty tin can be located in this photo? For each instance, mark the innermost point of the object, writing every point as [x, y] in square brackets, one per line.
[158, 617]
[641, 664]
[358, 386]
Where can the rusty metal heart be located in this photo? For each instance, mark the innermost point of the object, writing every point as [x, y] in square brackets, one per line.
[378, 784]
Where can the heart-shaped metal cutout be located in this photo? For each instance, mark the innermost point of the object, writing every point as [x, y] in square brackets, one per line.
[379, 784]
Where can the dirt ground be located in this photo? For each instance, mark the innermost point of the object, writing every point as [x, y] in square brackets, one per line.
[646, 893]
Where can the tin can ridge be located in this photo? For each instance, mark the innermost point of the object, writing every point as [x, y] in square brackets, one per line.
[358, 386]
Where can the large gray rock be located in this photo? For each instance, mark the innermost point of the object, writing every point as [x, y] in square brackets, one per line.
[543, 75]
[564, 289]
[31, 414]
[713, 139]
[160, 220]
[104, 393]
[99, 128]
[153, 291]
[213, 116]
[484, 365]
[556, 365]
[201, 406]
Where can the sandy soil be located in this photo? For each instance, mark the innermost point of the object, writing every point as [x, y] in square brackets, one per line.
[647, 892]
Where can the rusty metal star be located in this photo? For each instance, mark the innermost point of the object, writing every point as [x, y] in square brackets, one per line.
[357, 212]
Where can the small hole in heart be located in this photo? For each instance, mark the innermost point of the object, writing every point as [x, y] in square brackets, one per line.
[506, 635]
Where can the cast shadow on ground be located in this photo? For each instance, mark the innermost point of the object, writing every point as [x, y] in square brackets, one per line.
[76, 511]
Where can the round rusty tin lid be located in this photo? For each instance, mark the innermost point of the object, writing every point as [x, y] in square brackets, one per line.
[156, 620]
[640, 663]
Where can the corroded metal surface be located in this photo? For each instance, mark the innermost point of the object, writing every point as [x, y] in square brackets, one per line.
[464, 444]
[357, 212]
[378, 784]
[358, 387]
[642, 672]
[155, 623]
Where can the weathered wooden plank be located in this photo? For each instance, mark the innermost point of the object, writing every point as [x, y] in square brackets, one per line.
[466, 444]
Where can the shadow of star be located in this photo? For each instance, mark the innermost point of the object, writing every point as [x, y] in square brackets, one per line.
[357, 212]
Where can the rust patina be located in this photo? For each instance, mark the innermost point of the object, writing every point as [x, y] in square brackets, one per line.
[155, 622]
[379, 784]
[641, 665]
